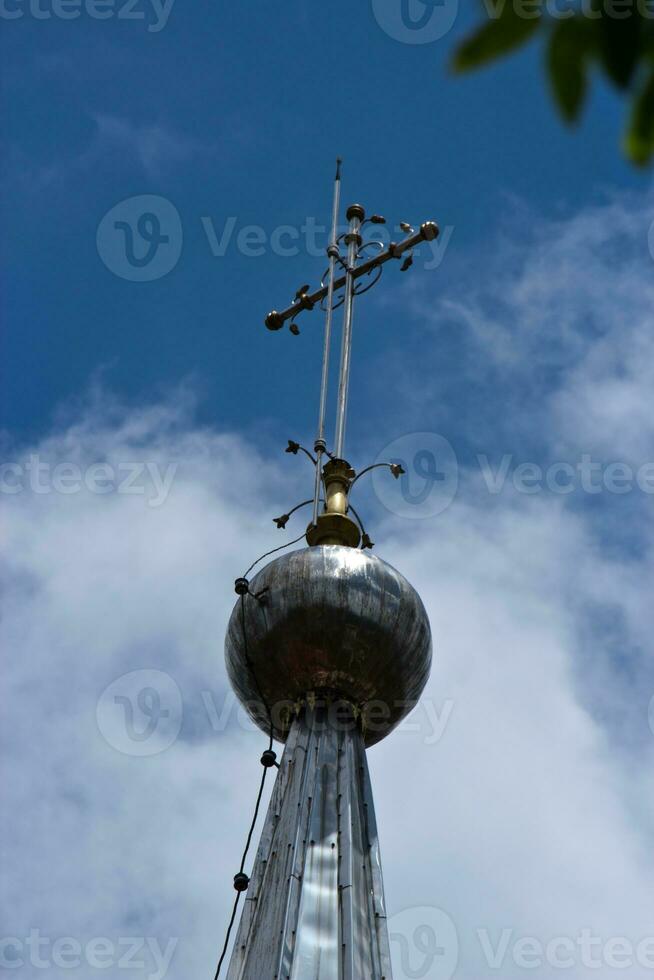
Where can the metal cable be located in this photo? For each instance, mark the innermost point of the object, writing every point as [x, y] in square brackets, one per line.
[272, 552]
[257, 805]
[246, 654]
[254, 818]
[229, 932]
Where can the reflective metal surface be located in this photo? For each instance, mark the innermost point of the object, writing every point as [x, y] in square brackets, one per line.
[355, 216]
[315, 907]
[427, 232]
[333, 619]
[333, 253]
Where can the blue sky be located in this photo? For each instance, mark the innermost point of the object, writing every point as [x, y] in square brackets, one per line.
[238, 112]
[143, 424]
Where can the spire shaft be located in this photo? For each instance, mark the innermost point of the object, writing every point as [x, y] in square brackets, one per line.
[315, 906]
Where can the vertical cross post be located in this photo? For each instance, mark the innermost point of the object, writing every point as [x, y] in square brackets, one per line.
[355, 216]
[320, 444]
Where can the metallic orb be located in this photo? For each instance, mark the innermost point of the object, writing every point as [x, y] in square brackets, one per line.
[333, 622]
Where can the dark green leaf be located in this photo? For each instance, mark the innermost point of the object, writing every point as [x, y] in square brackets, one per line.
[570, 44]
[647, 41]
[620, 36]
[501, 34]
[639, 143]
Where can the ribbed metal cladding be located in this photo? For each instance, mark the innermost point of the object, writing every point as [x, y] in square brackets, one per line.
[315, 908]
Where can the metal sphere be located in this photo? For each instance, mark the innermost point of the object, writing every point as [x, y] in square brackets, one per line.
[333, 621]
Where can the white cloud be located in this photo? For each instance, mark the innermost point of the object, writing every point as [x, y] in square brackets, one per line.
[102, 844]
[522, 816]
[154, 146]
[563, 311]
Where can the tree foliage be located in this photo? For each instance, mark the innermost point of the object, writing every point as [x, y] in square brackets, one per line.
[614, 37]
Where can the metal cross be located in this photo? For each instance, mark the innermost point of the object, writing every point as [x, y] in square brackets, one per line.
[354, 274]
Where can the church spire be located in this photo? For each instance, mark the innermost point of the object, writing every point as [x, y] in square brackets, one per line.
[328, 648]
